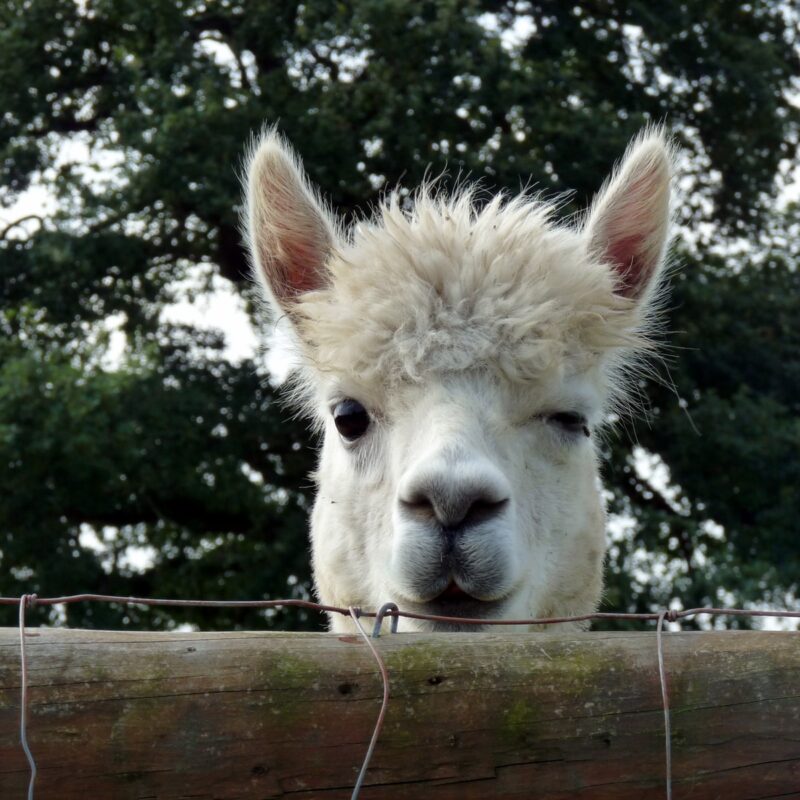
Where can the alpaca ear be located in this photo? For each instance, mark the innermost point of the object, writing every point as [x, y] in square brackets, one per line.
[629, 221]
[289, 231]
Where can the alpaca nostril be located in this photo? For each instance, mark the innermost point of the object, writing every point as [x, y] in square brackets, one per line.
[483, 510]
[418, 504]
[453, 508]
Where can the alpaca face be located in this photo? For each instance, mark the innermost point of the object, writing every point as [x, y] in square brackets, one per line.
[463, 495]
[460, 363]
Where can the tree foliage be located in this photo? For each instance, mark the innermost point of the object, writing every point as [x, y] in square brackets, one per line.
[173, 448]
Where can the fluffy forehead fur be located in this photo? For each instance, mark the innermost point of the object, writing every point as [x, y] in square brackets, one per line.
[445, 283]
[446, 286]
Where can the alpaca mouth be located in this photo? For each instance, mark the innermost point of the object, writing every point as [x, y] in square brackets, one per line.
[456, 602]
[454, 592]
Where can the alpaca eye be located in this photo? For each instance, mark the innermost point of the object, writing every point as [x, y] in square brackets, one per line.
[570, 421]
[351, 419]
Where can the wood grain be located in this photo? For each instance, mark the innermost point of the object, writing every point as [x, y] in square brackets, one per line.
[553, 716]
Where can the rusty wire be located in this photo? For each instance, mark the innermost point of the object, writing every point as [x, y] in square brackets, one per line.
[662, 676]
[355, 613]
[24, 601]
[387, 610]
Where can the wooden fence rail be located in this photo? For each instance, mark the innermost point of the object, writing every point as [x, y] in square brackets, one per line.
[552, 716]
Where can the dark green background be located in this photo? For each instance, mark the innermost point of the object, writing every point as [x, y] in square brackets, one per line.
[372, 93]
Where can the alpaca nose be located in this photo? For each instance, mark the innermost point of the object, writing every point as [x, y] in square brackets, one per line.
[455, 502]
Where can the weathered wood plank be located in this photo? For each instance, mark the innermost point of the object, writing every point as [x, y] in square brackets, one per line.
[268, 715]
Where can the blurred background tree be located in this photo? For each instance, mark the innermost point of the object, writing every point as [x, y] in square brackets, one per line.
[139, 454]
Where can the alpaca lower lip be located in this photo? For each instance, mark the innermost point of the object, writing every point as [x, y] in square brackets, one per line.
[455, 602]
[454, 596]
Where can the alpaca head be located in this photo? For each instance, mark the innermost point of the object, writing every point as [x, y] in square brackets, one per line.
[460, 360]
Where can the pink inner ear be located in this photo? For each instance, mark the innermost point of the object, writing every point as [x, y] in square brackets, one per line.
[297, 249]
[632, 268]
[302, 268]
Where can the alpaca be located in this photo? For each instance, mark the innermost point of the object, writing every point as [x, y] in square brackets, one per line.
[460, 361]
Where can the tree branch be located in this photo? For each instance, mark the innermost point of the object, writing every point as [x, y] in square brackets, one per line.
[16, 222]
[328, 62]
[221, 38]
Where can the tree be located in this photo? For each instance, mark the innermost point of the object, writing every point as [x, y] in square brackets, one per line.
[172, 447]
